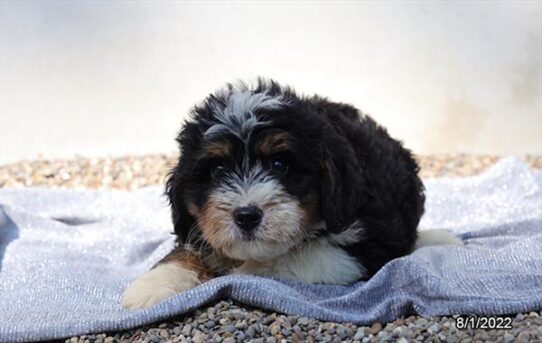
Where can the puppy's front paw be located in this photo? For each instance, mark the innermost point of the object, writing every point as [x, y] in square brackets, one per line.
[163, 281]
[437, 237]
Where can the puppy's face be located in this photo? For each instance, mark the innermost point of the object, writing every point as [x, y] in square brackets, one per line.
[254, 185]
[256, 176]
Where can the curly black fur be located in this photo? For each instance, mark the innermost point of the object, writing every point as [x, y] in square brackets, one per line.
[339, 156]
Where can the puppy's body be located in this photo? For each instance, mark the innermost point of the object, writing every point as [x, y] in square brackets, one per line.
[272, 183]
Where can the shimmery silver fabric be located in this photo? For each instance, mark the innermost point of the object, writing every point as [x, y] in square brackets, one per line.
[66, 256]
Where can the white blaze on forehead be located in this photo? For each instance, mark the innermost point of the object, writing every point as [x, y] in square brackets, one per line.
[237, 116]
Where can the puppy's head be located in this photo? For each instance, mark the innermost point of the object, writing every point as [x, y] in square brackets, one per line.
[260, 171]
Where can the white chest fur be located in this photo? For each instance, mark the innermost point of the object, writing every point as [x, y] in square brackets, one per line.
[316, 261]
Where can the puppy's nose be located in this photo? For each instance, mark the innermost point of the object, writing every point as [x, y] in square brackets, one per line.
[248, 217]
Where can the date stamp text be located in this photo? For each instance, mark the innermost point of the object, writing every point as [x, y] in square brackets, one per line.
[483, 322]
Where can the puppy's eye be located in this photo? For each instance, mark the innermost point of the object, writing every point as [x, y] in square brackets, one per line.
[217, 169]
[279, 165]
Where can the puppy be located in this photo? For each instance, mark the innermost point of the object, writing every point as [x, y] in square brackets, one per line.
[273, 183]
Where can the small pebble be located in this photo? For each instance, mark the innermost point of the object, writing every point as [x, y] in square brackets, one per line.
[397, 331]
[229, 328]
[275, 329]
[285, 332]
[163, 333]
[433, 328]
[241, 325]
[359, 334]
[199, 338]
[523, 337]
[421, 322]
[187, 329]
[224, 321]
[375, 328]
[303, 321]
[251, 331]
[382, 336]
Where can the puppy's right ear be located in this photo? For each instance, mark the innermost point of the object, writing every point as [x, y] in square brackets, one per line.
[183, 221]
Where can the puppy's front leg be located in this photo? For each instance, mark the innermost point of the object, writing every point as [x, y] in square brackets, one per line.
[179, 271]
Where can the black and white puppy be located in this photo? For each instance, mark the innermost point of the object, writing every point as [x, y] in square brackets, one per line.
[273, 183]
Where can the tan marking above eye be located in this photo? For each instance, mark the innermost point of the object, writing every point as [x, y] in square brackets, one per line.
[192, 209]
[273, 143]
[220, 149]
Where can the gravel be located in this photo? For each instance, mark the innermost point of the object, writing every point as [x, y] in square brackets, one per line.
[228, 322]
[133, 172]
[195, 328]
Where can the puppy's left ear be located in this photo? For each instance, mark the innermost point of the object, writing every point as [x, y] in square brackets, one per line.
[342, 184]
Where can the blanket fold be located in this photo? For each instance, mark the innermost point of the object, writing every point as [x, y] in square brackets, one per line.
[67, 255]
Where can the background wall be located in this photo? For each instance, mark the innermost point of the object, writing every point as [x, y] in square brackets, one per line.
[110, 78]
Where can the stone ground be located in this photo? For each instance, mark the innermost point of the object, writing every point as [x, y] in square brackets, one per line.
[229, 322]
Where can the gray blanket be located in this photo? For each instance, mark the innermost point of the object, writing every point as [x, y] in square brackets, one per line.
[66, 256]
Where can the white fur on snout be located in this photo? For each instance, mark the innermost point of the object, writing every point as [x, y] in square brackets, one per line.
[159, 283]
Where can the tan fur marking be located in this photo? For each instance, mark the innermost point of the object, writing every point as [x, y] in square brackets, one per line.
[212, 221]
[273, 143]
[189, 260]
[221, 149]
[192, 209]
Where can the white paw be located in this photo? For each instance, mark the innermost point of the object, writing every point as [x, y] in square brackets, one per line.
[163, 281]
[437, 237]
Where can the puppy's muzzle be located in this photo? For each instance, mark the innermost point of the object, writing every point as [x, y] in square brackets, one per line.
[247, 218]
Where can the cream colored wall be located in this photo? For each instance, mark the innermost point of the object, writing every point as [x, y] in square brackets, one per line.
[112, 78]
